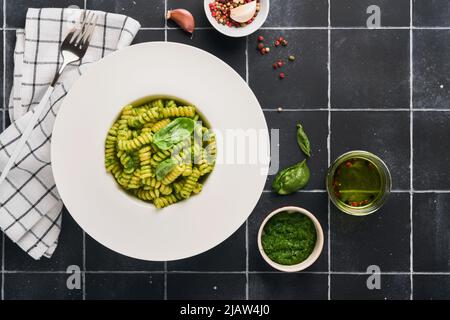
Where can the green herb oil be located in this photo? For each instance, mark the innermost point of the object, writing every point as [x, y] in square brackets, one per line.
[357, 182]
[289, 238]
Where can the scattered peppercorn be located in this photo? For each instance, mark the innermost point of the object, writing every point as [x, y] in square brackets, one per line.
[263, 49]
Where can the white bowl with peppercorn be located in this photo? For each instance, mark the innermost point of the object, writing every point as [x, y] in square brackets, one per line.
[236, 18]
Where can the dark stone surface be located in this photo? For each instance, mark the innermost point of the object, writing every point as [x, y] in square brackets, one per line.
[431, 221]
[374, 131]
[118, 286]
[431, 287]
[381, 239]
[148, 13]
[351, 13]
[370, 69]
[431, 13]
[41, 286]
[354, 287]
[230, 255]
[297, 13]
[431, 157]
[205, 286]
[305, 84]
[16, 10]
[232, 51]
[431, 69]
[100, 258]
[288, 286]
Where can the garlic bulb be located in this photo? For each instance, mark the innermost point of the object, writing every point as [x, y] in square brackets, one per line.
[243, 13]
[183, 18]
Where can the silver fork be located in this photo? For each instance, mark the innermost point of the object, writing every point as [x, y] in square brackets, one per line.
[72, 50]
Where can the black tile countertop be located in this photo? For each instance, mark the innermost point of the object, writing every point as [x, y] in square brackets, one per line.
[385, 90]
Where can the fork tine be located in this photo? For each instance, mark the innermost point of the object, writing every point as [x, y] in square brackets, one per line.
[78, 34]
[77, 27]
[89, 31]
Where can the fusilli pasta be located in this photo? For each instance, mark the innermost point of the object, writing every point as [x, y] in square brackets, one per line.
[143, 169]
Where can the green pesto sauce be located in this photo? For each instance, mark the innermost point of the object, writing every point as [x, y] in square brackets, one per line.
[289, 238]
[357, 182]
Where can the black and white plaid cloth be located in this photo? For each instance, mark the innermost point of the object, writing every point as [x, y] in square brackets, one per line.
[30, 212]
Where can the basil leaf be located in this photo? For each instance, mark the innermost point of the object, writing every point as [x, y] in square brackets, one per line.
[175, 132]
[164, 168]
[291, 179]
[303, 141]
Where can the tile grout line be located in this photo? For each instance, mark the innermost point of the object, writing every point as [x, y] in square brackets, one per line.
[314, 28]
[346, 110]
[165, 21]
[355, 28]
[84, 265]
[84, 233]
[392, 191]
[358, 109]
[288, 28]
[329, 146]
[394, 273]
[411, 141]
[165, 280]
[2, 297]
[165, 39]
[246, 221]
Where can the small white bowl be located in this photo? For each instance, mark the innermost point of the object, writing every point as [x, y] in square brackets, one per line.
[314, 254]
[239, 32]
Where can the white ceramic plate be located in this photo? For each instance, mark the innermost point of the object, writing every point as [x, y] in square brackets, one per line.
[117, 220]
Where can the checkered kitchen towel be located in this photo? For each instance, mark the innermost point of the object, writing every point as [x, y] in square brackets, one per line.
[30, 212]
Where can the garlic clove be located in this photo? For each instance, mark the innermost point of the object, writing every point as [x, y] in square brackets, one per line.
[243, 13]
[183, 18]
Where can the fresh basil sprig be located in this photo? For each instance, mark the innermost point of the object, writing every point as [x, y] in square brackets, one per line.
[303, 141]
[291, 179]
[176, 131]
[164, 168]
[297, 176]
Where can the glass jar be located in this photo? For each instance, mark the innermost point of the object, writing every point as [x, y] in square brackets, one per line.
[380, 198]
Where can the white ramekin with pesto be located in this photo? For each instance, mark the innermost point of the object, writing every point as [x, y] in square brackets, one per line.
[290, 239]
